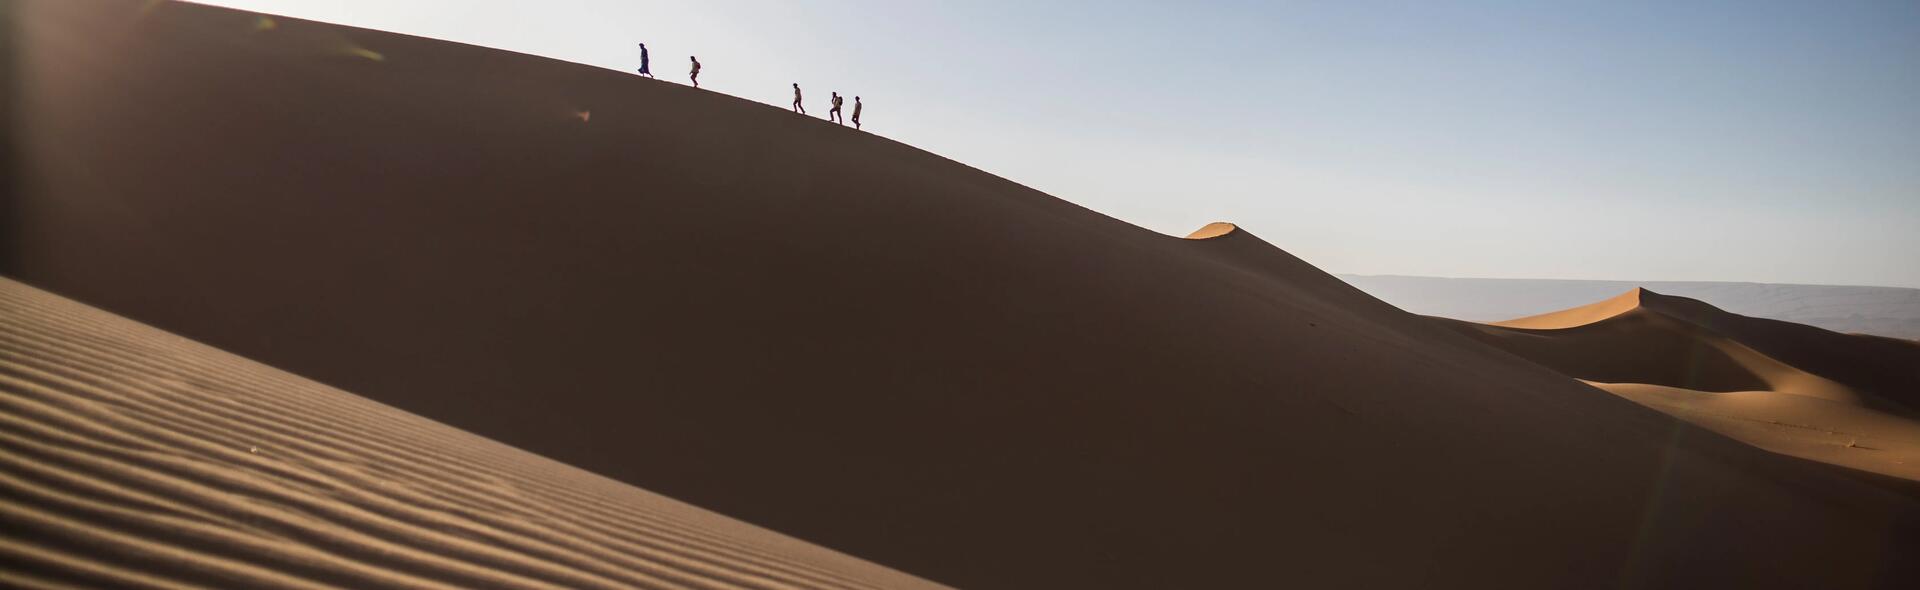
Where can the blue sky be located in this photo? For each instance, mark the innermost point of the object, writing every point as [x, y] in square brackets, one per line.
[1740, 141]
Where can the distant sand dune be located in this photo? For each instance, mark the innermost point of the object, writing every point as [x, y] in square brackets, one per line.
[1212, 230]
[1579, 316]
[1645, 337]
[1618, 340]
[1836, 398]
[137, 458]
[1883, 311]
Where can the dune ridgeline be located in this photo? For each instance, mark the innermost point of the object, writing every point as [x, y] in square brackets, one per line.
[838, 337]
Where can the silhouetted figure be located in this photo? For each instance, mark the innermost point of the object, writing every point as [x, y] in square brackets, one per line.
[797, 107]
[856, 112]
[645, 64]
[834, 113]
[695, 76]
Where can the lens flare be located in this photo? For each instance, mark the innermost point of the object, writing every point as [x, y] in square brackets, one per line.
[262, 23]
[358, 51]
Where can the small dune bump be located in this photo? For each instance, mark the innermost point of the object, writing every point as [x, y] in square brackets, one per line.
[1213, 230]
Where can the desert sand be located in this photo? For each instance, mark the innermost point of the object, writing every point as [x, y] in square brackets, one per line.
[851, 341]
[1881, 311]
[137, 458]
[1837, 398]
[1841, 434]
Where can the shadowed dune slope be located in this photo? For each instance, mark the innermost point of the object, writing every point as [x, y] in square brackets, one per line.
[136, 458]
[852, 341]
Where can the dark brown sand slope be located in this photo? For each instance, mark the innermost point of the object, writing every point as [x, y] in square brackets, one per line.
[136, 458]
[852, 341]
[1671, 354]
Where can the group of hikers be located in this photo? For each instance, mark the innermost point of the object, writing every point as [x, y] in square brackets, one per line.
[833, 114]
[646, 69]
[646, 66]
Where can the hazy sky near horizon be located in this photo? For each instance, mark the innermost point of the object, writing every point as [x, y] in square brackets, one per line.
[1734, 141]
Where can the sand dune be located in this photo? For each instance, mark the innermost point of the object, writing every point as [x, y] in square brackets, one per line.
[851, 341]
[1882, 311]
[1621, 340]
[1212, 230]
[1580, 316]
[1645, 337]
[1682, 356]
[137, 458]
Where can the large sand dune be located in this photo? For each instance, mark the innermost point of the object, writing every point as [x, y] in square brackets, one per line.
[1882, 311]
[1838, 398]
[136, 458]
[851, 341]
[1645, 337]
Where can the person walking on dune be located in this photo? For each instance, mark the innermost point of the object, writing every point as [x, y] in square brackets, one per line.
[834, 113]
[797, 107]
[695, 76]
[645, 67]
[856, 112]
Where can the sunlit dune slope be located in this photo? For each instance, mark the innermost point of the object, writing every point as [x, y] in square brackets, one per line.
[1212, 230]
[1831, 432]
[1579, 316]
[136, 458]
[851, 341]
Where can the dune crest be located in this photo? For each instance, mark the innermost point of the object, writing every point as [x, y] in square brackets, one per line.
[1212, 230]
[1580, 316]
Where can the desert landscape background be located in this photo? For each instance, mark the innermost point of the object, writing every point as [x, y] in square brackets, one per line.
[610, 300]
[1880, 311]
